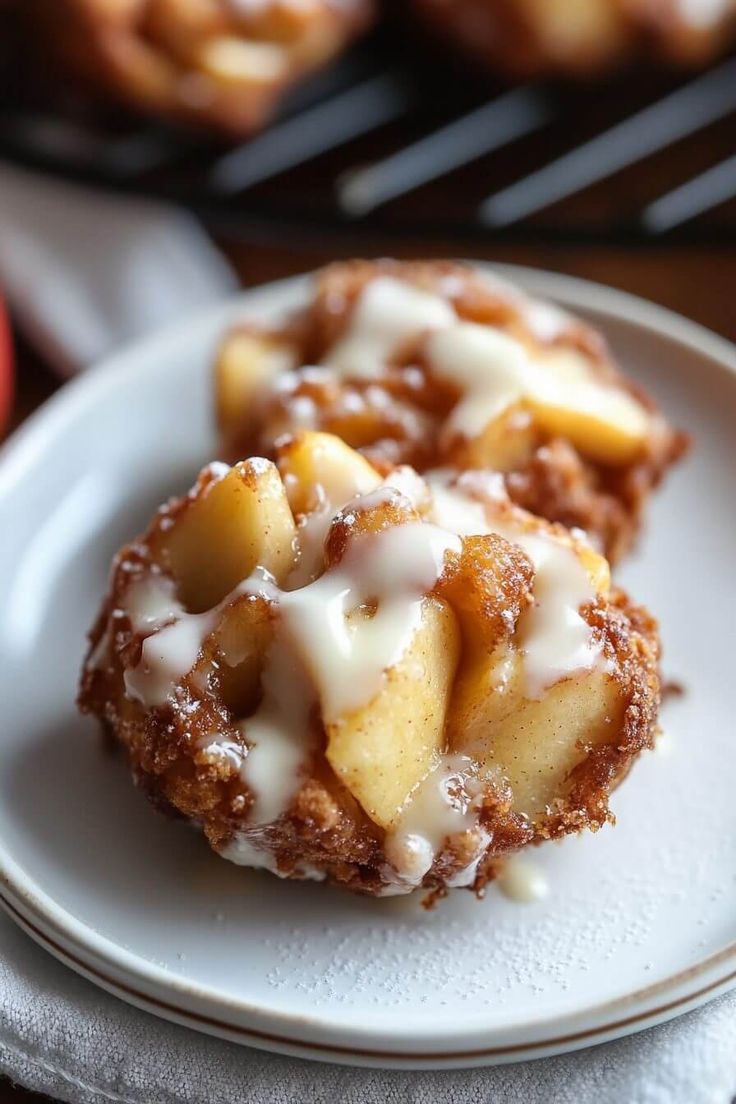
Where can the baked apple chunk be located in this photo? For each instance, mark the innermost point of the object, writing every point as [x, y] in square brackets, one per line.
[386, 680]
[435, 364]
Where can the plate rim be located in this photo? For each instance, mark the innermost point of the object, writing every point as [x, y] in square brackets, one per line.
[47, 922]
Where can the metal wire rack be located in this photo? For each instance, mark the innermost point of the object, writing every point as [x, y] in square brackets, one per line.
[396, 142]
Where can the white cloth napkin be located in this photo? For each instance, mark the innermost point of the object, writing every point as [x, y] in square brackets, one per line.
[62, 1036]
[83, 273]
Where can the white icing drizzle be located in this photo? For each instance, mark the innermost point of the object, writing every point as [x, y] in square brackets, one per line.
[278, 734]
[523, 881]
[151, 602]
[346, 655]
[334, 488]
[465, 877]
[334, 495]
[166, 657]
[171, 650]
[246, 849]
[492, 369]
[546, 321]
[457, 511]
[312, 530]
[556, 640]
[388, 313]
[445, 804]
[346, 649]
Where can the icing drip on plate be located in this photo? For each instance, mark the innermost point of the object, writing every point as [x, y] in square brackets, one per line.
[523, 881]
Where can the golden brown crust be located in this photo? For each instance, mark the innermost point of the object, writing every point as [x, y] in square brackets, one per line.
[215, 63]
[580, 38]
[632, 646]
[399, 418]
[488, 587]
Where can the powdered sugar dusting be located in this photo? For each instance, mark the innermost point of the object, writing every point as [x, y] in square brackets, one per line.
[401, 960]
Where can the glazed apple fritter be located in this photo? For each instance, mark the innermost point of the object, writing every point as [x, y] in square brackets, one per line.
[436, 364]
[368, 676]
[581, 37]
[224, 64]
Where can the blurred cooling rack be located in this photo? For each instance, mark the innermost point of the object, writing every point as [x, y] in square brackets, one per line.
[397, 141]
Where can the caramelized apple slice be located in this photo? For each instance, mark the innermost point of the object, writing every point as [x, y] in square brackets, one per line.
[603, 422]
[533, 744]
[507, 443]
[321, 467]
[246, 364]
[497, 376]
[234, 655]
[382, 751]
[229, 526]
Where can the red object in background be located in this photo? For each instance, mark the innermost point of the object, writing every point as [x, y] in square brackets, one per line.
[6, 368]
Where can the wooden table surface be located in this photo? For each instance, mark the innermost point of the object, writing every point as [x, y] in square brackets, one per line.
[696, 281]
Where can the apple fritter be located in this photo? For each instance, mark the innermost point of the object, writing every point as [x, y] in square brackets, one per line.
[380, 679]
[222, 64]
[580, 38]
[435, 364]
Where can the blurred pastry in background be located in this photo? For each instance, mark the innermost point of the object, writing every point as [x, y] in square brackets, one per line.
[223, 64]
[582, 37]
[442, 366]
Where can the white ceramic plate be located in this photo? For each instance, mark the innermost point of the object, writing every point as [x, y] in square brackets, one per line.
[641, 921]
